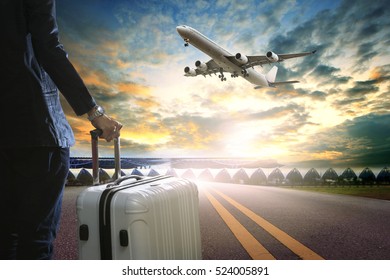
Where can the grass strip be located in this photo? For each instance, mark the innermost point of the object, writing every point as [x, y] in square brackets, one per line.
[378, 192]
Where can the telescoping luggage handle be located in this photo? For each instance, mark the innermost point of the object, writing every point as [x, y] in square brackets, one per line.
[95, 156]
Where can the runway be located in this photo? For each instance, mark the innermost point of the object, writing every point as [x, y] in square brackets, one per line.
[255, 222]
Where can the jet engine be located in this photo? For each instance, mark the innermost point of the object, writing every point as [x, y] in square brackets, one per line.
[201, 66]
[272, 57]
[189, 72]
[242, 59]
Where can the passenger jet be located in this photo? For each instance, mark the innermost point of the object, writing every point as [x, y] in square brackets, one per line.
[238, 65]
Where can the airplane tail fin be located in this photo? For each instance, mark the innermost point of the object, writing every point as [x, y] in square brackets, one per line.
[271, 76]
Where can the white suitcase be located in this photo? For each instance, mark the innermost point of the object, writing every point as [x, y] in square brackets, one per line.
[138, 217]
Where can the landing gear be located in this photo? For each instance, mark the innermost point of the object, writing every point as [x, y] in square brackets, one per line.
[244, 72]
[234, 75]
[222, 76]
[186, 42]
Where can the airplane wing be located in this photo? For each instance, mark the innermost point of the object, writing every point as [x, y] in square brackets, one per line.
[212, 68]
[266, 59]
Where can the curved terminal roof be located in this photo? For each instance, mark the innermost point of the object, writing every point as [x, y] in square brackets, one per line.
[312, 176]
[294, 176]
[242, 175]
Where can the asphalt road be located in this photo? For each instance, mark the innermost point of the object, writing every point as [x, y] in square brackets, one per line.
[255, 222]
[331, 226]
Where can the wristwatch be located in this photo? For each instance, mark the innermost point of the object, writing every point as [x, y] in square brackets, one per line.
[98, 111]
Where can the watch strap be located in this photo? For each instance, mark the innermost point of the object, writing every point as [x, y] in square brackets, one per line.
[98, 111]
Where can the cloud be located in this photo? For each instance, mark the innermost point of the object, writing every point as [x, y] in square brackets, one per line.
[362, 88]
[366, 52]
[277, 112]
[361, 141]
[368, 95]
[325, 70]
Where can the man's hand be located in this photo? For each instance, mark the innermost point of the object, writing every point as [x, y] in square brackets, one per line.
[111, 128]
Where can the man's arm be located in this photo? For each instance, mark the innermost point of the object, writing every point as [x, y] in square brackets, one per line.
[42, 24]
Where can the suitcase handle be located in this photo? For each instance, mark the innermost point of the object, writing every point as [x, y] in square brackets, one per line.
[118, 181]
[95, 156]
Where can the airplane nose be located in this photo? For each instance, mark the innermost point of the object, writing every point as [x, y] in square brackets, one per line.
[179, 29]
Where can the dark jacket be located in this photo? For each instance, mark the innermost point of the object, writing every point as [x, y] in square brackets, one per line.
[33, 65]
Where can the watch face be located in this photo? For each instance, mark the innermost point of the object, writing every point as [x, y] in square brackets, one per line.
[100, 110]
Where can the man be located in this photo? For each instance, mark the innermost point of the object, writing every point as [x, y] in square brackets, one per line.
[35, 138]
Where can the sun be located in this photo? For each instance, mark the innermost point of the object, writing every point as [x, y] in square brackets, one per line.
[246, 140]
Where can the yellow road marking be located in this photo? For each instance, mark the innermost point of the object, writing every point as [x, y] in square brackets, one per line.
[291, 243]
[251, 245]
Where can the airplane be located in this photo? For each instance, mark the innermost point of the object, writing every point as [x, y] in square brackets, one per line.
[238, 65]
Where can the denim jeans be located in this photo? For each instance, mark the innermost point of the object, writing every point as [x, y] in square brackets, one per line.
[32, 182]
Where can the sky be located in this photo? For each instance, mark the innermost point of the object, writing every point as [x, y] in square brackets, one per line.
[131, 58]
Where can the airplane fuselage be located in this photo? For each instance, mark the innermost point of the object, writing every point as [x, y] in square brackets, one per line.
[219, 54]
